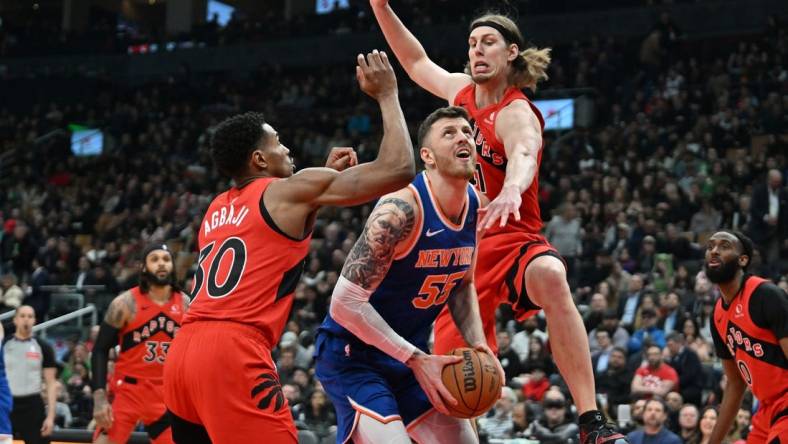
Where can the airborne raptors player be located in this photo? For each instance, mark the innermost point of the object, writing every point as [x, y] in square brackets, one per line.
[144, 321]
[516, 264]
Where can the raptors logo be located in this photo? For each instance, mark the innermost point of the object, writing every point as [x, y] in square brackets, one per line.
[271, 381]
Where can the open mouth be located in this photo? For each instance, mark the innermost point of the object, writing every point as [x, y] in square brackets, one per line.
[463, 153]
[714, 263]
[481, 66]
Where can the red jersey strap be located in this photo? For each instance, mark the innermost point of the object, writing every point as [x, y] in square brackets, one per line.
[466, 98]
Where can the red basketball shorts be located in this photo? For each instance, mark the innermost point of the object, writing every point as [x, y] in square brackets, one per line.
[500, 272]
[220, 375]
[770, 423]
[135, 400]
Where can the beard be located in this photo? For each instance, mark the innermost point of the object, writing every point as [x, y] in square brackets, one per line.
[725, 273]
[154, 279]
[449, 168]
[467, 173]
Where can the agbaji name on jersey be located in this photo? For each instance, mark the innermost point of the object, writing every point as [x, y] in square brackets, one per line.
[227, 215]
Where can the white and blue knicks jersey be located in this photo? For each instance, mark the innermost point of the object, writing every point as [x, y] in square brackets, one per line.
[422, 279]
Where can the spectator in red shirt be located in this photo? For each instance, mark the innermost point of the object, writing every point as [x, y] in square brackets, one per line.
[536, 383]
[654, 378]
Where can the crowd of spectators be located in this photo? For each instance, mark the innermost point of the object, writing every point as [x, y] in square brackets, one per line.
[685, 142]
[39, 32]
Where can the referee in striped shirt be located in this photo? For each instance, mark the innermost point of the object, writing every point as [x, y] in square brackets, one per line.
[28, 361]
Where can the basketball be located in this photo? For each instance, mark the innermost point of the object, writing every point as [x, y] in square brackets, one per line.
[474, 382]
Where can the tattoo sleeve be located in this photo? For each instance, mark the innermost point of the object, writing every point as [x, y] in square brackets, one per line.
[120, 310]
[391, 221]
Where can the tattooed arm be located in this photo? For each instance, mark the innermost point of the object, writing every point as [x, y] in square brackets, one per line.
[390, 224]
[121, 310]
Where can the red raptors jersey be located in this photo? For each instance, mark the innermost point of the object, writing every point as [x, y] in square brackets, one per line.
[756, 350]
[491, 169]
[145, 340]
[247, 266]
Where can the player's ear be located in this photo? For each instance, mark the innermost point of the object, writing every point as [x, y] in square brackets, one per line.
[514, 52]
[258, 160]
[427, 156]
[744, 260]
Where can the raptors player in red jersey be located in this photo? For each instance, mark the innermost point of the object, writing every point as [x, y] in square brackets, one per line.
[751, 337]
[143, 321]
[220, 381]
[516, 264]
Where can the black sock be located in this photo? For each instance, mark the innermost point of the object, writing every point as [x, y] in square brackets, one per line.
[591, 417]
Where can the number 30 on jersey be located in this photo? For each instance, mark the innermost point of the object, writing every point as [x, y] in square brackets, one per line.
[232, 268]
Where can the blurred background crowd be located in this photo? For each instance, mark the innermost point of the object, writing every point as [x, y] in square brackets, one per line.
[690, 136]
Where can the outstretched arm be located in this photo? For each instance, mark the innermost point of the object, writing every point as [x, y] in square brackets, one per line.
[519, 130]
[393, 168]
[413, 58]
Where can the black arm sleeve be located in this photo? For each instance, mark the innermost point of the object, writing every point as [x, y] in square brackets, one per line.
[107, 338]
[719, 344]
[769, 309]
[48, 358]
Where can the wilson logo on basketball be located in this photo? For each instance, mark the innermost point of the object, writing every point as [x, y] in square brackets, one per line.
[468, 372]
[269, 381]
[473, 382]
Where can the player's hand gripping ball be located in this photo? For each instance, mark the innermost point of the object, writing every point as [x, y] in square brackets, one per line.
[474, 382]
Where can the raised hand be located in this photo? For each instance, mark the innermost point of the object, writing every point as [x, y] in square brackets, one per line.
[427, 370]
[506, 204]
[375, 75]
[341, 158]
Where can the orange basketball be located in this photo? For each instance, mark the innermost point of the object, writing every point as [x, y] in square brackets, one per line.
[474, 382]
